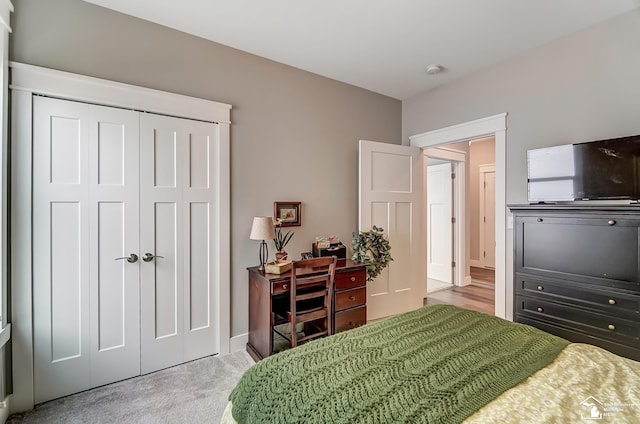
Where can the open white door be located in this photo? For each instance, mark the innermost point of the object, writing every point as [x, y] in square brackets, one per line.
[439, 222]
[390, 194]
[488, 216]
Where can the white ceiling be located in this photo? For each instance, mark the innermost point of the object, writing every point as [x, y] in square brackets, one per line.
[381, 45]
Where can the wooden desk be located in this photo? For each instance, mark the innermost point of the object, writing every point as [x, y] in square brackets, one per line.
[265, 290]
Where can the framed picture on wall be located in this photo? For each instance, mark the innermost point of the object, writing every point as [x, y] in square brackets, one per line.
[288, 214]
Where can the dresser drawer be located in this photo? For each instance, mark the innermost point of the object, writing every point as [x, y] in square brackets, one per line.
[350, 298]
[350, 279]
[350, 318]
[604, 326]
[609, 301]
[628, 350]
[590, 248]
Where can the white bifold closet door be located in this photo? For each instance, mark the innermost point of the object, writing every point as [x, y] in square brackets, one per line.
[110, 185]
[177, 207]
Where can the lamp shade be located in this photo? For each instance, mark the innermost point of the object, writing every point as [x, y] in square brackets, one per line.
[262, 228]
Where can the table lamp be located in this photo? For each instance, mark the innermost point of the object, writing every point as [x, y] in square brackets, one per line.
[262, 229]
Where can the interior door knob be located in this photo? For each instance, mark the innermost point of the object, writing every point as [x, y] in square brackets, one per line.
[148, 257]
[132, 258]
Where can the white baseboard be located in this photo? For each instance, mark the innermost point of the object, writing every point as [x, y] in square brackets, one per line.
[238, 342]
[476, 263]
[5, 409]
[465, 281]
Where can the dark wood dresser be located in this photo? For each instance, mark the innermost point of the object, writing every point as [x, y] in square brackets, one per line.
[266, 291]
[577, 273]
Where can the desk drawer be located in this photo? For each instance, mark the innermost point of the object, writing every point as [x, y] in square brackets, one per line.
[350, 318]
[350, 279]
[281, 286]
[350, 298]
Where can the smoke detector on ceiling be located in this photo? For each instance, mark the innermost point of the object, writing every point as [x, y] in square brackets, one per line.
[433, 69]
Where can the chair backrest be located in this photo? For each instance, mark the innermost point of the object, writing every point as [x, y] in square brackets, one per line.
[311, 297]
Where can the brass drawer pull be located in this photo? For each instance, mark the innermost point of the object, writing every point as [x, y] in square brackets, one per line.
[611, 327]
[612, 302]
[353, 278]
[352, 298]
[540, 309]
[540, 288]
[285, 286]
[611, 222]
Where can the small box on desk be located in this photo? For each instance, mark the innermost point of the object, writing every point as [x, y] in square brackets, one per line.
[277, 267]
[334, 249]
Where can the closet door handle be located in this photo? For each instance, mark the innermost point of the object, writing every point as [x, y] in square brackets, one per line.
[132, 258]
[148, 257]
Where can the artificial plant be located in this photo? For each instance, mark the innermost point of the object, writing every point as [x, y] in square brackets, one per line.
[372, 249]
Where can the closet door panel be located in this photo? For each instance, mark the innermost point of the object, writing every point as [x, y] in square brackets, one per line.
[164, 152]
[115, 298]
[177, 207]
[164, 269]
[161, 164]
[200, 205]
[111, 281]
[86, 303]
[198, 272]
[60, 249]
[65, 282]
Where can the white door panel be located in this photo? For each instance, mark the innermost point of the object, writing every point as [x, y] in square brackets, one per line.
[61, 237]
[176, 207]
[200, 205]
[439, 225]
[86, 321]
[109, 183]
[114, 216]
[391, 198]
[489, 224]
[161, 315]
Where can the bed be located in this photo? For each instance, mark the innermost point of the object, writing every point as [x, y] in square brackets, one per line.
[439, 364]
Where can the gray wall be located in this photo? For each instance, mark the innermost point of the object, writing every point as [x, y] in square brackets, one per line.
[294, 135]
[583, 87]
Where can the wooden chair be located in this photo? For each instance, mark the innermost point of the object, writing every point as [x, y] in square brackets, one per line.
[310, 299]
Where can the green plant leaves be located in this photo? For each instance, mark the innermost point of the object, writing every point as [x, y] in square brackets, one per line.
[372, 249]
[281, 239]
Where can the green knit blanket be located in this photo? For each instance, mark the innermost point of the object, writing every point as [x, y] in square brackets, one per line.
[438, 364]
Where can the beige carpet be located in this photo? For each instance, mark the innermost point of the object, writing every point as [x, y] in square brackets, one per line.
[195, 392]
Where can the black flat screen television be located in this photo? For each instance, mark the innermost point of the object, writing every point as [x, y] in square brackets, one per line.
[596, 170]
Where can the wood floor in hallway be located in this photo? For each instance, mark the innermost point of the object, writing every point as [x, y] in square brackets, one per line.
[478, 296]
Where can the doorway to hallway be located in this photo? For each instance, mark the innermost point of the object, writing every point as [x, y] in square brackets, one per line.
[478, 296]
[460, 231]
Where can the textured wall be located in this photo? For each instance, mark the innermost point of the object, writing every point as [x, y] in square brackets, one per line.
[579, 88]
[294, 135]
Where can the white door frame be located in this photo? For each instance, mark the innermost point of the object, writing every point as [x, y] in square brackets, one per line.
[460, 275]
[495, 125]
[483, 169]
[27, 80]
